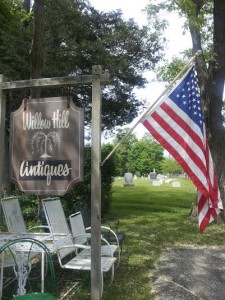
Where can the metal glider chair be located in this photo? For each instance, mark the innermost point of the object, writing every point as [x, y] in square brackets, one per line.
[20, 251]
[73, 252]
[57, 223]
[82, 236]
[75, 256]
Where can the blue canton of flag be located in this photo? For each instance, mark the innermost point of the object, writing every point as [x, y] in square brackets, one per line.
[187, 97]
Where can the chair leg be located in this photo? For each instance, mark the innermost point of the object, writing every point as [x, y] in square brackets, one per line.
[102, 283]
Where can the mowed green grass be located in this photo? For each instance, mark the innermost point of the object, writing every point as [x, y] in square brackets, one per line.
[153, 218]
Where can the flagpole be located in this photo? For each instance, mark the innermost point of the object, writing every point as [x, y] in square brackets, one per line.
[154, 103]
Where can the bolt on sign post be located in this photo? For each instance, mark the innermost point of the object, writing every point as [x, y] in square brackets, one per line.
[46, 146]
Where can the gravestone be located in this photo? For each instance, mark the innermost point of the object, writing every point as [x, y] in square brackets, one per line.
[128, 179]
[161, 178]
[176, 184]
[156, 182]
[152, 176]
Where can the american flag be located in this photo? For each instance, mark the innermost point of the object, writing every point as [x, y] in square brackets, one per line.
[176, 122]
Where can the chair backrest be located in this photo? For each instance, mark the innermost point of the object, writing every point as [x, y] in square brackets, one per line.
[21, 250]
[86, 214]
[78, 228]
[57, 223]
[55, 215]
[13, 214]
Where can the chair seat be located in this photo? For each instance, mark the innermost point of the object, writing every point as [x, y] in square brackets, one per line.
[111, 237]
[35, 296]
[105, 250]
[84, 263]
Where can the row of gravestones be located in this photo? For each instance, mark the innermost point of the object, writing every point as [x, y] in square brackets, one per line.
[129, 178]
[155, 179]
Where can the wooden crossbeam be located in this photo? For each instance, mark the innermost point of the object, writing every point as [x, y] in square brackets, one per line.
[56, 81]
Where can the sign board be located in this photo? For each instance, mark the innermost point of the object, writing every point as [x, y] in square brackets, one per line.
[46, 146]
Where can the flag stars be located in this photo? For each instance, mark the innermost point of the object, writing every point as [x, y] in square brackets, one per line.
[187, 97]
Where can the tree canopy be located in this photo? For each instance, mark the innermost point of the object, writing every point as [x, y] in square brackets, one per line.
[145, 156]
[76, 37]
[170, 166]
[137, 156]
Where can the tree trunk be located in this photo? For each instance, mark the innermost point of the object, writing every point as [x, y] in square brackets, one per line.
[211, 82]
[215, 93]
[37, 51]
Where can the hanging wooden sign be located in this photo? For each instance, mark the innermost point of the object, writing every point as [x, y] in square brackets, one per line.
[46, 146]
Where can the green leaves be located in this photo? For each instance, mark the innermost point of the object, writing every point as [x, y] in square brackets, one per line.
[76, 37]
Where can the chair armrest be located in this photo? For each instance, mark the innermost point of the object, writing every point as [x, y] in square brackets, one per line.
[88, 235]
[39, 227]
[110, 231]
[73, 246]
[112, 219]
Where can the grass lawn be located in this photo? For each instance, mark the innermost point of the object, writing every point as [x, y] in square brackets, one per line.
[153, 218]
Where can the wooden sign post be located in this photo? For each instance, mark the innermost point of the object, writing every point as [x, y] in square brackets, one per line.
[2, 137]
[96, 79]
[96, 188]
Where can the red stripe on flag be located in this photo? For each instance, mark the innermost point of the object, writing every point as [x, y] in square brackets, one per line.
[210, 213]
[205, 221]
[195, 137]
[177, 156]
[175, 135]
[213, 185]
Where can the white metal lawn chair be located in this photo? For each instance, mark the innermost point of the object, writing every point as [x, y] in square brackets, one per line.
[81, 236]
[57, 223]
[75, 246]
[77, 256]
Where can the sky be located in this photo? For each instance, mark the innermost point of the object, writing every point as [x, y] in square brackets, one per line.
[177, 42]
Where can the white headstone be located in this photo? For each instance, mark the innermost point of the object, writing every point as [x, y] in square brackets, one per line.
[176, 184]
[168, 180]
[156, 182]
[128, 179]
